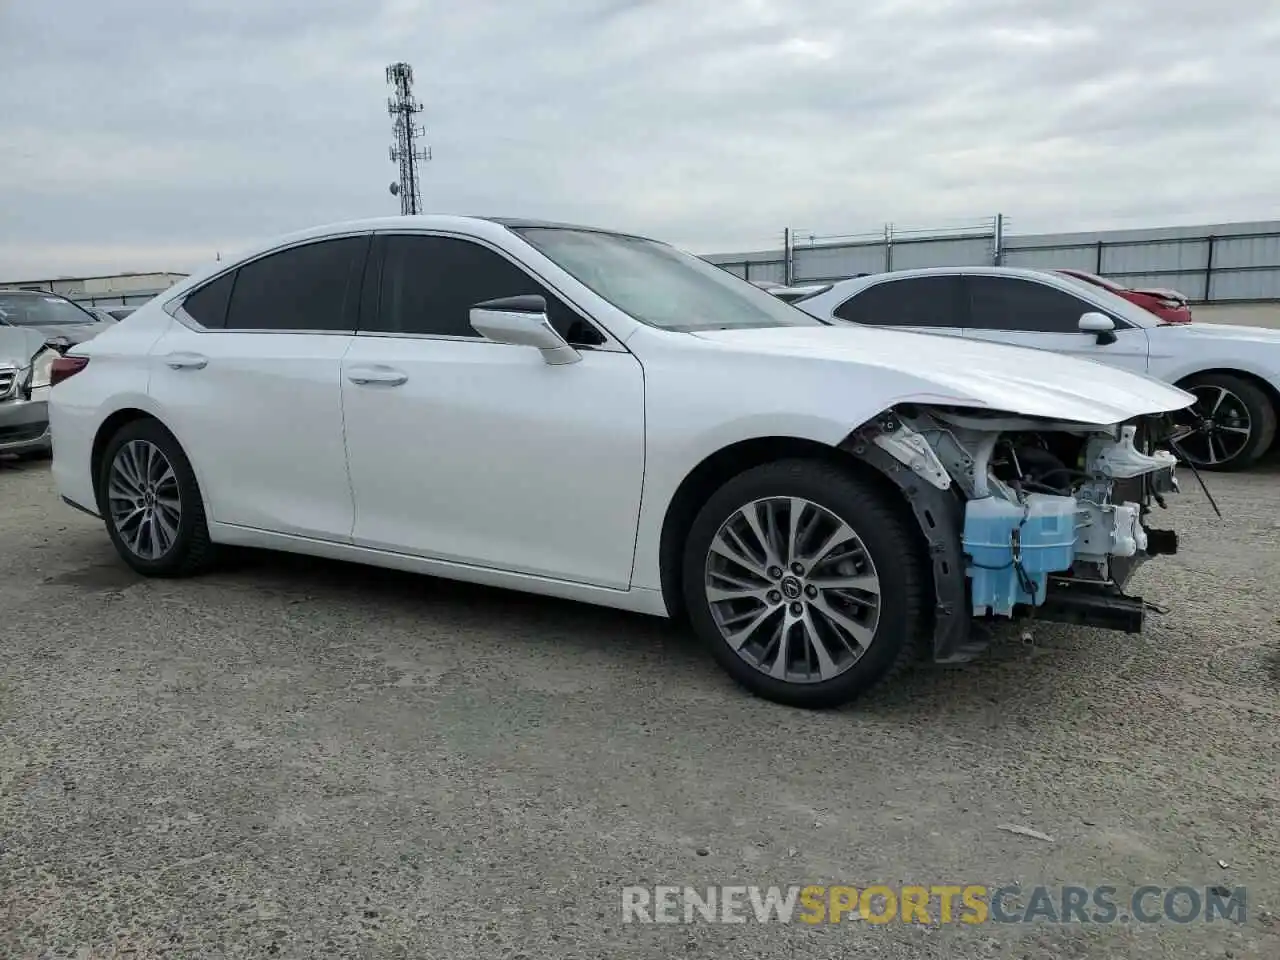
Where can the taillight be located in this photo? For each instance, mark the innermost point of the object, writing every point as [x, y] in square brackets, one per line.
[64, 367]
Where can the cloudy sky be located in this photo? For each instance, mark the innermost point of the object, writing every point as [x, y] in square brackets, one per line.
[148, 134]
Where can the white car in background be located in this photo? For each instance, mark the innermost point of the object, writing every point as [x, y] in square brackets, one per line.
[1233, 371]
[598, 416]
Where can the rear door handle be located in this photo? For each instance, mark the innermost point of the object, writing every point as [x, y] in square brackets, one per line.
[186, 361]
[380, 375]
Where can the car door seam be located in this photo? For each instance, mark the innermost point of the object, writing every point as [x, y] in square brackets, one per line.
[346, 447]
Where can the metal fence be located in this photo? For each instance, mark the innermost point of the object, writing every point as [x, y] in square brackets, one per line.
[1220, 263]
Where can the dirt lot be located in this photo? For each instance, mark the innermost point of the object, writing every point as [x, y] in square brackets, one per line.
[288, 759]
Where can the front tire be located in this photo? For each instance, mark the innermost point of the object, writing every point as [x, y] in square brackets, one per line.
[151, 503]
[1233, 419]
[806, 583]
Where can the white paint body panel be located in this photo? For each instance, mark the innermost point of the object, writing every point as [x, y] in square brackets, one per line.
[1168, 352]
[487, 464]
[77, 408]
[263, 419]
[488, 455]
[1179, 350]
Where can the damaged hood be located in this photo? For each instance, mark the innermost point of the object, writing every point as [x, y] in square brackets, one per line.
[1034, 383]
[71, 332]
[19, 345]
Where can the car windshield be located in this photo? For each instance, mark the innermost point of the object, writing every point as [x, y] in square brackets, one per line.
[659, 285]
[39, 310]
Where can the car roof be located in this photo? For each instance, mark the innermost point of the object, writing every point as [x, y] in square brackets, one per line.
[22, 292]
[434, 221]
[1134, 314]
[476, 226]
[1026, 273]
[982, 269]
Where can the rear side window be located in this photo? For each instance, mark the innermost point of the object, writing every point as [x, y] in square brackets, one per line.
[910, 302]
[208, 305]
[312, 287]
[430, 284]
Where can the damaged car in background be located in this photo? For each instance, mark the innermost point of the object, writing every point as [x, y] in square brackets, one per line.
[26, 363]
[55, 316]
[602, 417]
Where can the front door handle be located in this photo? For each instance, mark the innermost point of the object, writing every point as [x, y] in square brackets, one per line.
[186, 361]
[382, 376]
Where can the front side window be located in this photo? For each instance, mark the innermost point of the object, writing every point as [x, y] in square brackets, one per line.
[1011, 303]
[430, 284]
[659, 285]
[311, 287]
[22, 309]
[909, 302]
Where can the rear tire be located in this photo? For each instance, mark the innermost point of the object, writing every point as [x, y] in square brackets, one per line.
[826, 630]
[151, 503]
[1226, 404]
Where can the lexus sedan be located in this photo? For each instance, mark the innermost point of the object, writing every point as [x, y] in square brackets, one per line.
[1233, 371]
[602, 417]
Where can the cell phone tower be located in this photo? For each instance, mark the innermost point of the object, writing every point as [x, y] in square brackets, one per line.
[404, 109]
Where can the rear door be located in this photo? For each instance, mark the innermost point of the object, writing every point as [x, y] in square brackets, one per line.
[920, 304]
[248, 380]
[1026, 313]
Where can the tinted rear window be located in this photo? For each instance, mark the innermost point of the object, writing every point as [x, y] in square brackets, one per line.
[311, 287]
[208, 305]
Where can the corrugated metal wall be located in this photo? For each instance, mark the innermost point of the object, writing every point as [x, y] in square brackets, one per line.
[1215, 263]
[126, 289]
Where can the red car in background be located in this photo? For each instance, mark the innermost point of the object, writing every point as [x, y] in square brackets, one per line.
[1169, 305]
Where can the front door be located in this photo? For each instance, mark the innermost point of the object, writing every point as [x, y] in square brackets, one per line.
[1025, 313]
[475, 452]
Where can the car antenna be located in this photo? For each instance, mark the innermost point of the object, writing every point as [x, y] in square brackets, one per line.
[1199, 479]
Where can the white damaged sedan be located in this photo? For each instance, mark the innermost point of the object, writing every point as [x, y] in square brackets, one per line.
[599, 416]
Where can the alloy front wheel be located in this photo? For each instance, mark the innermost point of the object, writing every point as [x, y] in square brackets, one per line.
[807, 581]
[792, 589]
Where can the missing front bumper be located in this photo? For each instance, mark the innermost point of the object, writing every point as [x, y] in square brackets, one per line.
[1092, 605]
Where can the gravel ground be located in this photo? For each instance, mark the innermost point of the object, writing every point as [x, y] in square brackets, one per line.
[294, 759]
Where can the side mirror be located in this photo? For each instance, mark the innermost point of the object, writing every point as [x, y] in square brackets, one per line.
[522, 321]
[1100, 324]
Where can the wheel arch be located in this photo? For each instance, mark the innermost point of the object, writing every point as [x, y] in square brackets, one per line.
[1262, 383]
[112, 425]
[1269, 389]
[723, 465]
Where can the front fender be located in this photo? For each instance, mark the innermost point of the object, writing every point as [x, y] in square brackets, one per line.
[693, 413]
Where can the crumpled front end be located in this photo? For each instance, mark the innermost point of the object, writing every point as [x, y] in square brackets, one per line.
[1026, 517]
[25, 365]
